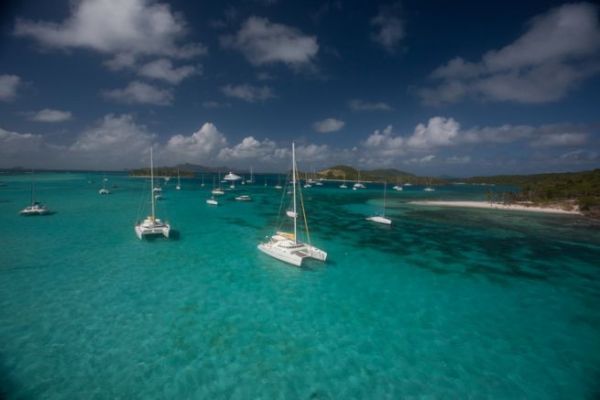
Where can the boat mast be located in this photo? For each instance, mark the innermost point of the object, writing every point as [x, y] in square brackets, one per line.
[32, 188]
[152, 183]
[294, 190]
[384, 188]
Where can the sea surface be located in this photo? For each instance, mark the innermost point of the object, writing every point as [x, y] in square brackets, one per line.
[445, 304]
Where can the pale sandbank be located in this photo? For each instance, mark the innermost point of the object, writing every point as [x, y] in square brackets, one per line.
[496, 206]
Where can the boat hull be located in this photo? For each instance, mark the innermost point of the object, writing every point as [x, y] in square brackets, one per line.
[380, 220]
[294, 256]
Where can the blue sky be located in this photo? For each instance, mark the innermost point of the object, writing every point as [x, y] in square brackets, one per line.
[444, 88]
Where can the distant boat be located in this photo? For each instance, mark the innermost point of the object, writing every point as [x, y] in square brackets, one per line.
[358, 185]
[212, 201]
[381, 219]
[104, 190]
[231, 177]
[278, 186]
[217, 190]
[251, 180]
[398, 188]
[202, 184]
[243, 197]
[178, 187]
[36, 208]
[152, 226]
[343, 185]
[408, 184]
[429, 188]
[285, 246]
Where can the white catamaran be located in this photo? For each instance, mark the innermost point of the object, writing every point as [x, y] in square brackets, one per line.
[285, 246]
[35, 208]
[381, 219]
[104, 190]
[152, 226]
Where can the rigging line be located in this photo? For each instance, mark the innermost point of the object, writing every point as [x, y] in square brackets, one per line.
[304, 215]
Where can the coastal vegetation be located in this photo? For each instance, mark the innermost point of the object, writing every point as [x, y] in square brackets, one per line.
[389, 175]
[568, 189]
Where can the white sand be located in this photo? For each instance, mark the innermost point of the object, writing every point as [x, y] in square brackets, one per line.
[495, 206]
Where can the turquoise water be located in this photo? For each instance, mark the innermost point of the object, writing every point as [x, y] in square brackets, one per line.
[447, 303]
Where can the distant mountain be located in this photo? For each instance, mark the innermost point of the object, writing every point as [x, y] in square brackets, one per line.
[200, 168]
[389, 174]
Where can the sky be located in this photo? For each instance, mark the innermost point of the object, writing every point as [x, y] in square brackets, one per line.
[429, 87]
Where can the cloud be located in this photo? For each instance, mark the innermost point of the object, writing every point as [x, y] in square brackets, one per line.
[114, 136]
[248, 93]
[458, 159]
[50, 115]
[263, 42]
[134, 27]
[252, 149]
[140, 93]
[580, 155]
[558, 51]
[214, 104]
[14, 145]
[163, 69]
[560, 139]
[199, 146]
[439, 131]
[421, 160]
[360, 105]
[8, 87]
[328, 125]
[389, 26]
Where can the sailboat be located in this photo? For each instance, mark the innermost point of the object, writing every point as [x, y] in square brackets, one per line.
[278, 186]
[251, 180]
[202, 184]
[213, 201]
[358, 185]
[178, 187]
[398, 187]
[285, 246]
[35, 208]
[152, 226]
[381, 219]
[217, 190]
[307, 180]
[104, 190]
[343, 185]
[428, 188]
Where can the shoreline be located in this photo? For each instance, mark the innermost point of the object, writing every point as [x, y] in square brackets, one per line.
[495, 206]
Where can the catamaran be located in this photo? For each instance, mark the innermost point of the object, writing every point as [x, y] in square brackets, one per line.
[35, 208]
[152, 226]
[381, 219]
[285, 246]
[217, 190]
[343, 185]
[178, 187]
[104, 190]
[358, 185]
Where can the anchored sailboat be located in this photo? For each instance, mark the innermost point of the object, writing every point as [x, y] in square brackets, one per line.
[35, 208]
[343, 185]
[178, 187]
[104, 190]
[152, 226]
[285, 246]
[358, 185]
[381, 219]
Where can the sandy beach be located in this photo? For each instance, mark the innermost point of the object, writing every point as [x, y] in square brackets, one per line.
[495, 206]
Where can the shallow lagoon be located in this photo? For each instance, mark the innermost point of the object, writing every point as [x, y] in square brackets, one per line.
[447, 303]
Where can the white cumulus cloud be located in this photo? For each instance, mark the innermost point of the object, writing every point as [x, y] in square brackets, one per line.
[389, 27]
[135, 27]
[163, 69]
[140, 93]
[328, 125]
[361, 105]
[248, 93]
[558, 51]
[265, 42]
[200, 146]
[50, 115]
